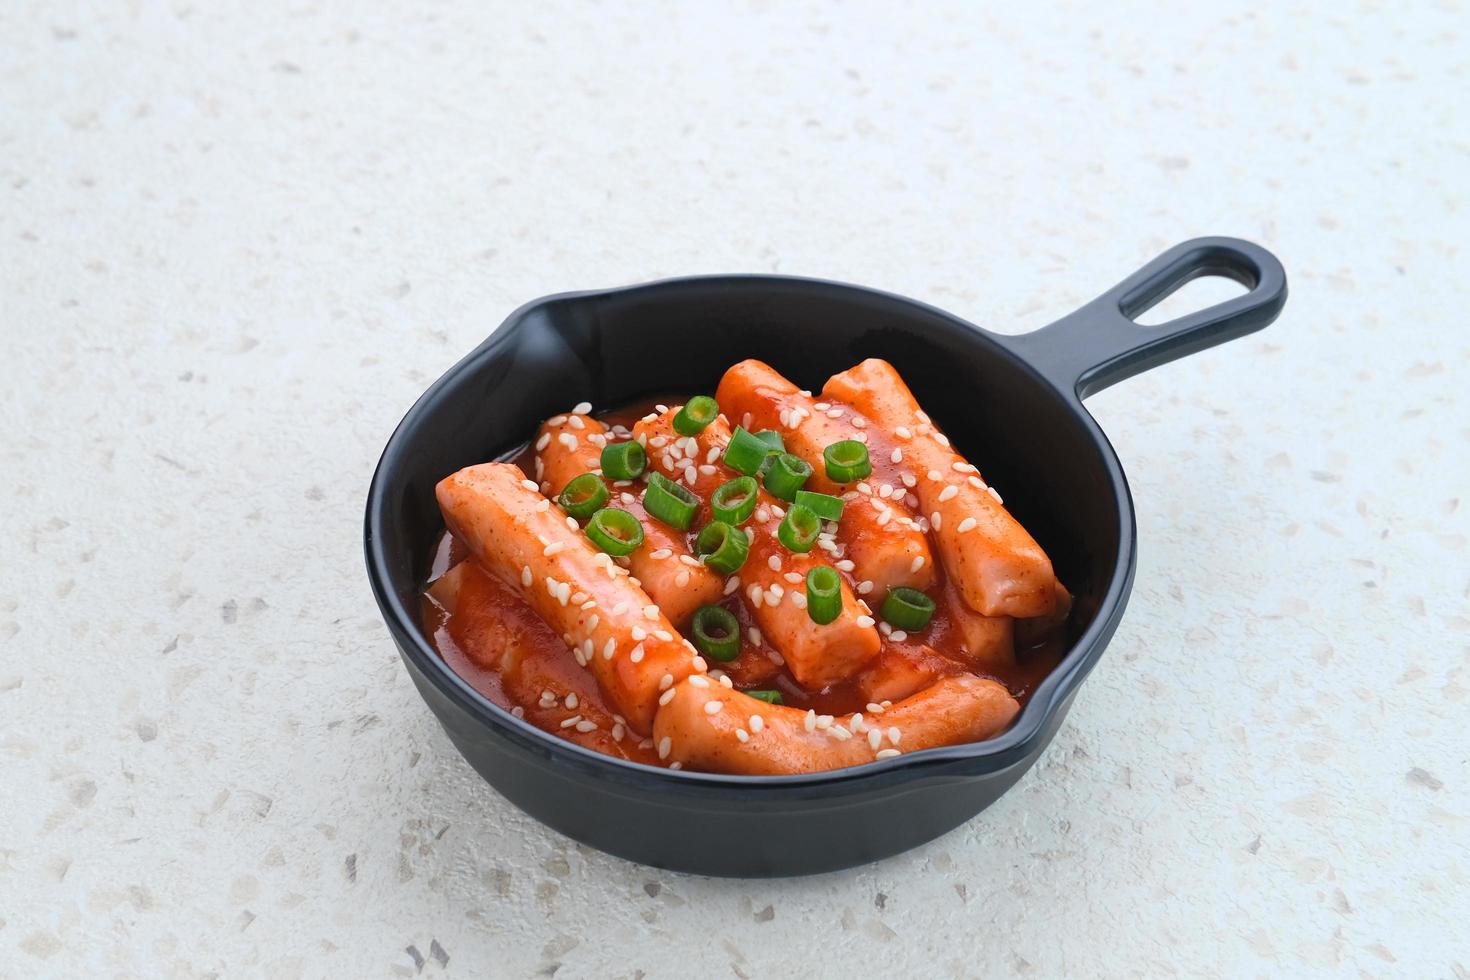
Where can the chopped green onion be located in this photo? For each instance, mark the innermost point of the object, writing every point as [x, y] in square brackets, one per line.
[799, 529]
[786, 476]
[615, 531]
[670, 502]
[745, 453]
[583, 496]
[773, 439]
[723, 548]
[907, 609]
[847, 461]
[826, 507]
[735, 501]
[717, 633]
[769, 697]
[823, 594]
[623, 460]
[697, 413]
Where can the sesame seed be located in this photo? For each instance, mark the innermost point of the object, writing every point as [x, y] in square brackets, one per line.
[713, 707]
[553, 548]
[757, 723]
[618, 731]
[909, 480]
[896, 456]
[660, 554]
[875, 708]
[568, 440]
[589, 604]
[582, 408]
[811, 721]
[636, 656]
[712, 455]
[966, 525]
[888, 753]
[864, 488]
[664, 745]
[775, 658]
[518, 711]
[755, 635]
[917, 563]
[543, 442]
[756, 595]
[959, 466]
[699, 681]
[682, 579]
[586, 726]
[839, 733]
[942, 439]
[992, 491]
[845, 565]
[650, 611]
[526, 576]
[620, 608]
[798, 600]
[865, 621]
[976, 482]
[775, 562]
[934, 520]
[793, 577]
[576, 422]
[667, 696]
[777, 591]
[835, 413]
[935, 475]
[725, 680]
[903, 432]
[742, 734]
[898, 636]
[676, 765]
[697, 662]
[864, 587]
[948, 493]
[777, 512]
[592, 622]
[542, 506]
[531, 485]
[665, 682]
[732, 584]
[894, 735]
[885, 629]
[610, 649]
[664, 635]
[885, 491]
[875, 739]
[569, 722]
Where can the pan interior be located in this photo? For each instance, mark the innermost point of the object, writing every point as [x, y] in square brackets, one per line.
[609, 348]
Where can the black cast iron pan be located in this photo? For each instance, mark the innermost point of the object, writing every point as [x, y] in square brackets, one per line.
[1013, 403]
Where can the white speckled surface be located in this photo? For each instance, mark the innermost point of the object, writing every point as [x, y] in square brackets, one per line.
[236, 241]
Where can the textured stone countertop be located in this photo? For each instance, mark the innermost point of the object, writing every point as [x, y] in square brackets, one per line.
[237, 241]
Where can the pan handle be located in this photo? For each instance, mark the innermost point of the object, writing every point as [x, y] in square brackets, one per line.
[1100, 344]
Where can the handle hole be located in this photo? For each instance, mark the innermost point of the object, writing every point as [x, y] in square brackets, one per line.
[1190, 296]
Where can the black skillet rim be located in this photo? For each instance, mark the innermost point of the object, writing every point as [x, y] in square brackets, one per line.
[994, 754]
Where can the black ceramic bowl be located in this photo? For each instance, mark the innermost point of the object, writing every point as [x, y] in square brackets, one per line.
[1013, 402]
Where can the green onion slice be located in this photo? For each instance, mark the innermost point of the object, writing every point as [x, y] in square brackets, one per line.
[799, 529]
[716, 633]
[786, 476]
[583, 496]
[847, 461]
[623, 460]
[735, 501]
[723, 548]
[745, 453]
[826, 507]
[697, 413]
[670, 502]
[769, 697]
[773, 439]
[823, 594]
[615, 531]
[907, 609]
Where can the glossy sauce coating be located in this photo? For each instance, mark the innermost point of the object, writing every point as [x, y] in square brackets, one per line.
[474, 619]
